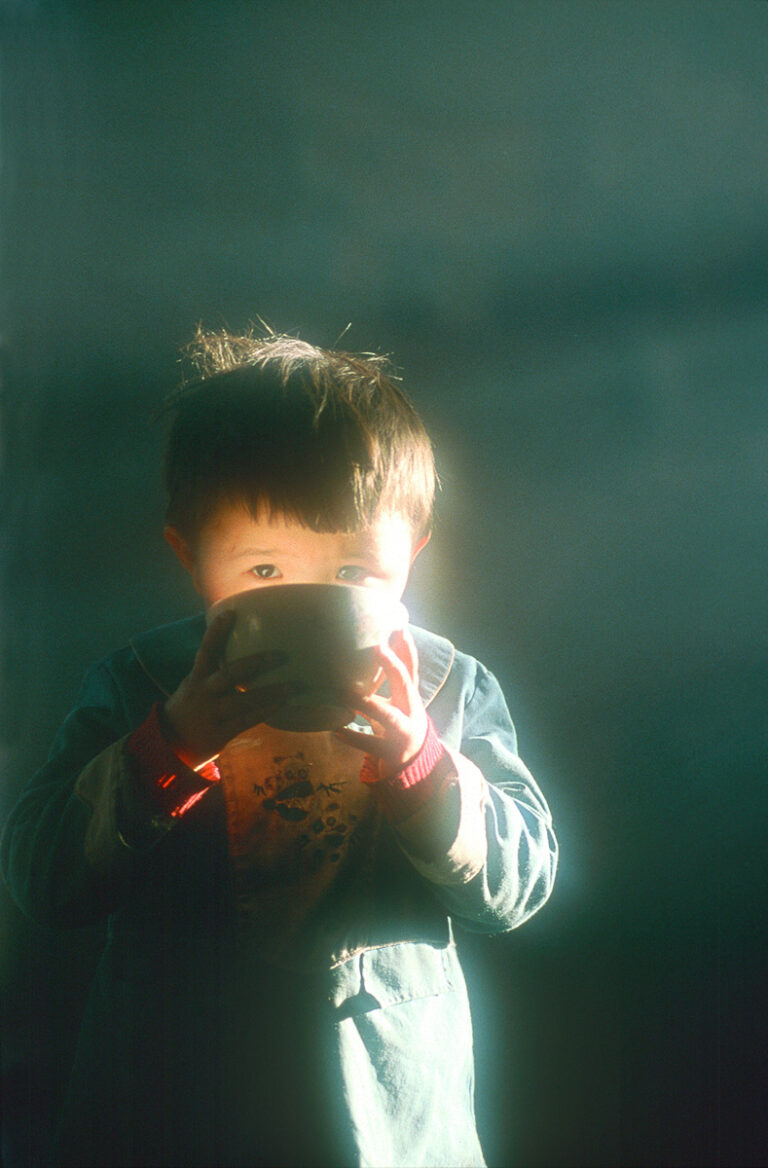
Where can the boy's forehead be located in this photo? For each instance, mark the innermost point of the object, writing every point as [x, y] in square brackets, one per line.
[243, 532]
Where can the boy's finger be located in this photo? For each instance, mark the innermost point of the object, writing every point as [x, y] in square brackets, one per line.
[404, 646]
[400, 684]
[356, 738]
[370, 705]
[208, 658]
[381, 711]
[369, 743]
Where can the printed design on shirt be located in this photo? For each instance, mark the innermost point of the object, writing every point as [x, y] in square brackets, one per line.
[288, 792]
[333, 830]
[300, 824]
[287, 789]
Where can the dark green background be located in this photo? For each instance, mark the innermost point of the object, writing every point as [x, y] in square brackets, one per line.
[553, 214]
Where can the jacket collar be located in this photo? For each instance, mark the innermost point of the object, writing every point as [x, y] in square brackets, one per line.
[166, 655]
[436, 656]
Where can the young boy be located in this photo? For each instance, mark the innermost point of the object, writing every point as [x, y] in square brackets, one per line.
[280, 982]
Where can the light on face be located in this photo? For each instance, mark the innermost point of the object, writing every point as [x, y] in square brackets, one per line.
[236, 552]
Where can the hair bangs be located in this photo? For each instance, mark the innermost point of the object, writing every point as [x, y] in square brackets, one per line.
[321, 437]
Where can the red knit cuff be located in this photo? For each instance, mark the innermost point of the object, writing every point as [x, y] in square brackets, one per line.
[413, 786]
[172, 786]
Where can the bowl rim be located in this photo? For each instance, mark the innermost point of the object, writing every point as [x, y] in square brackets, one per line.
[237, 599]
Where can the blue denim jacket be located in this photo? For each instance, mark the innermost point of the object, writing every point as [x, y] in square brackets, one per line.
[396, 1031]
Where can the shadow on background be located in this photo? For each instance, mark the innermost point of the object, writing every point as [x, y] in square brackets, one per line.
[554, 216]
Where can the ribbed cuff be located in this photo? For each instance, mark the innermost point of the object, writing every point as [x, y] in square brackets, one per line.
[171, 786]
[407, 791]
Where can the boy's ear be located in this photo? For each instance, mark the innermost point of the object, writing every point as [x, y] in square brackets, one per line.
[181, 548]
[420, 545]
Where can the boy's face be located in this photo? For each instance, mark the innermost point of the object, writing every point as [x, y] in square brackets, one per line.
[236, 552]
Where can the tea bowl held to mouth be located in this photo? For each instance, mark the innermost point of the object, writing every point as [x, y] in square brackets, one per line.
[327, 635]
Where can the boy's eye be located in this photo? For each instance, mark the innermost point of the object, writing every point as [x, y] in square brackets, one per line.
[265, 571]
[354, 573]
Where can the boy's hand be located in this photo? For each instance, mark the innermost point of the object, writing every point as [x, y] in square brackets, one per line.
[215, 702]
[399, 721]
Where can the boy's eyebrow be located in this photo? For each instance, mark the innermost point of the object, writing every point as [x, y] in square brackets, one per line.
[356, 543]
[256, 551]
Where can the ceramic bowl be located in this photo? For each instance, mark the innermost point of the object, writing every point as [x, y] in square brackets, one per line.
[328, 633]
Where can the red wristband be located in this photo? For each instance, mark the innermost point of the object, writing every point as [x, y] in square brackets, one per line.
[405, 792]
[172, 786]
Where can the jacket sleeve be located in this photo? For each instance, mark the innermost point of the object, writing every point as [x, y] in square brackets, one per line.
[485, 841]
[61, 851]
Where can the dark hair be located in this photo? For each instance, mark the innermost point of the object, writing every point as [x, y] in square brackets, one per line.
[320, 436]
